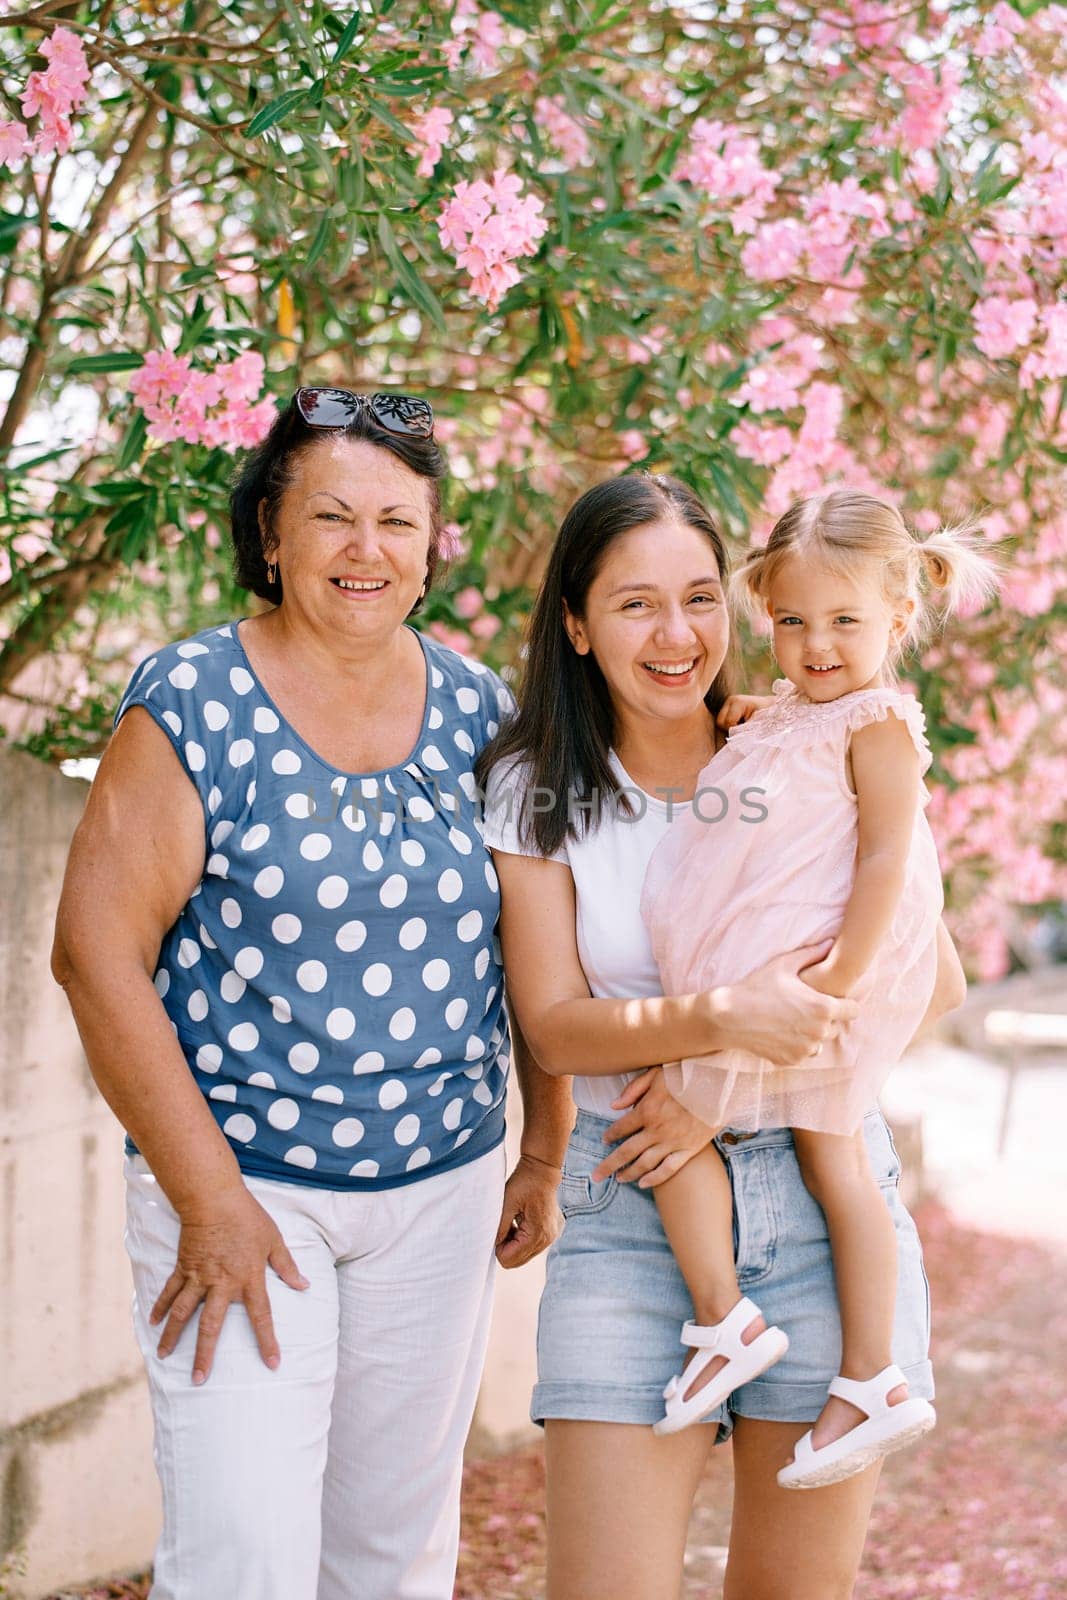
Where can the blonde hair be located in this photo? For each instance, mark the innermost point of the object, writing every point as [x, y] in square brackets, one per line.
[862, 537]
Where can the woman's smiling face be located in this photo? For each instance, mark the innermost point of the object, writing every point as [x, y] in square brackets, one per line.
[655, 620]
[352, 537]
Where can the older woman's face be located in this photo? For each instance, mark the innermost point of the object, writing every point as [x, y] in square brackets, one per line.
[655, 620]
[352, 537]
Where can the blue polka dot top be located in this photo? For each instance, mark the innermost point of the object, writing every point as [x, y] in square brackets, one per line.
[334, 979]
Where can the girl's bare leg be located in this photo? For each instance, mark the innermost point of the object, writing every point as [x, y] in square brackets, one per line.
[837, 1173]
[696, 1209]
[618, 1504]
[789, 1546]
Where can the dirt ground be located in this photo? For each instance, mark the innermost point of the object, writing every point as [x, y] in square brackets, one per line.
[975, 1513]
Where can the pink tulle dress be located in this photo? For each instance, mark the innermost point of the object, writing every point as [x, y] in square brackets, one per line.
[722, 898]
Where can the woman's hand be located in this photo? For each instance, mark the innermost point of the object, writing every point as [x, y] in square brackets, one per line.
[739, 707]
[530, 1217]
[775, 1014]
[655, 1138]
[221, 1258]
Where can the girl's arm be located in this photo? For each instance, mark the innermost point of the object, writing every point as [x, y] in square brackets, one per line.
[885, 772]
[772, 1013]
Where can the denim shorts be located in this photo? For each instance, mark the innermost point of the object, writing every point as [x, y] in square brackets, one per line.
[614, 1300]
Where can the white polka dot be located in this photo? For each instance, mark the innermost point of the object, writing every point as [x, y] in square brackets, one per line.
[209, 1058]
[436, 677]
[475, 1049]
[369, 1061]
[315, 846]
[256, 837]
[418, 1158]
[214, 799]
[218, 866]
[262, 1080]
[192, 648]
[438, 1084]
[241, 681]
[452, 1115]
[244, 1037]
[464, 742]
[340, 1023]
[469, 926]
[265, 721]
[364, 1169]
[450, 885]
[183, 676]
[436, 717]
[195, 759]
[412, 853]
[269, 882]
[220, 833]
[303, 1057]
[350, 935]
[223, 1091]
[372, 856]
[248, 962]
[174, 723]
[284, 1114]
[230, 912]
[353, 818]
[474, 1073]
[216, 715]
[281, 1010]
[481, 963]
[286, 928]
[188, 953]
[285, 763]
[436, 973]
[330, 1093]
[241, 752]
[391, 1094]
[490, 876]
[429, 1058]
[393, 891]
[467, 699]
[412, 933]
[431, 757]
[300, 806]
[332, 892]
[483, 1094]
[456, 1013]
[407, 1129]
[250, 793]
[311, 976]
[301, 1155]
[402, 1023]
[460, 841]
[468, 784]
[378, 978]
[419, 809]
[232, 988]
[197, 1006]
[239, 1127]
[162, 982]
[347, 1132]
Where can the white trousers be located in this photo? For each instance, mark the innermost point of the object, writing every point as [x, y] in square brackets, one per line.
[337, 1476]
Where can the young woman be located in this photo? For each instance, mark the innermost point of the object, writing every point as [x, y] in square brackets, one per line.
[626, 672]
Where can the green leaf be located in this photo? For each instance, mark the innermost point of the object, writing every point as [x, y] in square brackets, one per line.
[117, 361]
[133, 444]
[323, 234]
[408, 278]
[344, 43]
[11, 225]
[275, 111]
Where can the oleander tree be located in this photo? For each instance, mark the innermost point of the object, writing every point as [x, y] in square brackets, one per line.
[766, 245]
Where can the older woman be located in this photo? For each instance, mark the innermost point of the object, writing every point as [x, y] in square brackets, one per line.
[277, 936]
[627, 667]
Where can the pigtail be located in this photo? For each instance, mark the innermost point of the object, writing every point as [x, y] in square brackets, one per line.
[959, 575]
[747, 588]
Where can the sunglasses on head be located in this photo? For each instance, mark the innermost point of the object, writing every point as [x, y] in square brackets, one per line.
[336, 408]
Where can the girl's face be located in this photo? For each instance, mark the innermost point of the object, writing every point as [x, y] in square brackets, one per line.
[655, 621]
[832, 634]
[352, 539]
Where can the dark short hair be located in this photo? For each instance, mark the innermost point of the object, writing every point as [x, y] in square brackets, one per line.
[266, 472]
[565, 726]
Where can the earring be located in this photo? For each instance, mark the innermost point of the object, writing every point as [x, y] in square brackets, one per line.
[272, 572]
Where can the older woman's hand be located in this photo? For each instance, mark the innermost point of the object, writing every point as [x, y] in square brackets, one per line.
[223, 1256]
[530, 1218]
[773, 1013]
[655, 1138]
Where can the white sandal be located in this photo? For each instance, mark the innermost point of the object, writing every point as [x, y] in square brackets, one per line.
[743, 1362]
[886, 1428]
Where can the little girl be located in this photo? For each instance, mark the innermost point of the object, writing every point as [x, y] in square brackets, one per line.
[844, 857]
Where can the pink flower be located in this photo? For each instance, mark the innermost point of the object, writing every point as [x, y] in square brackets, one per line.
[468, 603]
[568, 135]
[928, 100]
[54, 95]
[766, 446]
[1002, 27]
[429, 134]
[489, 226]
[1003, 325]
[489, 35]
[774, 251]
[14, 143]
[486, 627]
[632, 445]
[767, 388]
[725, 164]
[163, 377]
[242, 378]
[451, 543]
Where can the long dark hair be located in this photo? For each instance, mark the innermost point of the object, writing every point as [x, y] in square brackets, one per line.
[565, 725]
[266, 472]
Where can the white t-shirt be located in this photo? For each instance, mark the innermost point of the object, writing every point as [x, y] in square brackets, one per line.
[608, 866]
